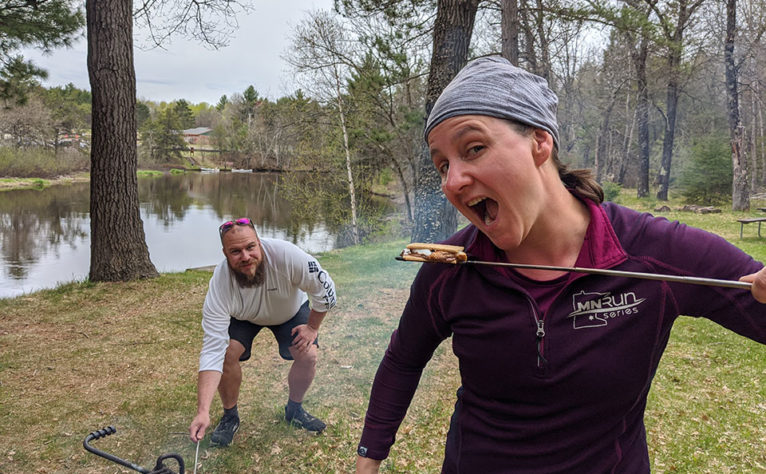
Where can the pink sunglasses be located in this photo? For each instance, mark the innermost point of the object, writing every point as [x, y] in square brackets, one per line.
[226, 226]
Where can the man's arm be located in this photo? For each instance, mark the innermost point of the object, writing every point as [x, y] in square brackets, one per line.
[207, 383]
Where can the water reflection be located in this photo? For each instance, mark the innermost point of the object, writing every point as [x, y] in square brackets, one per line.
[45, 234]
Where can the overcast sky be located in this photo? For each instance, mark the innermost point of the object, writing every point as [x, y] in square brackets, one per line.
[187, 70]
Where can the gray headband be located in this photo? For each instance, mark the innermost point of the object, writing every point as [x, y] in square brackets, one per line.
[494, 87]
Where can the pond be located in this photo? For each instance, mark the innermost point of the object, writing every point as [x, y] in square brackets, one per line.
[45, 234]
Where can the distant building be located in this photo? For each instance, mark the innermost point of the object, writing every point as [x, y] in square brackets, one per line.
[198, 136]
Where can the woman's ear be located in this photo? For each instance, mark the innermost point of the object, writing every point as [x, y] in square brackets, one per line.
[542, 146]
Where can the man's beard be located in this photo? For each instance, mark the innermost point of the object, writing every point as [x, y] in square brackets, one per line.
[246, 281]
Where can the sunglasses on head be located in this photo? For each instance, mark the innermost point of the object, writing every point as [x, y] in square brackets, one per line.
[226, 226]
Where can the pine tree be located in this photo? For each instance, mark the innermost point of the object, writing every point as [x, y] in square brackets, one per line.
[44, 24]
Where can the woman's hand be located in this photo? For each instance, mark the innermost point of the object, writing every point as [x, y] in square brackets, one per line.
[759, 284]
[367, 465]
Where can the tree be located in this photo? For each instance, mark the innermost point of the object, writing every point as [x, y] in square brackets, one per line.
[28, 125]
[707, 178]
[674, 37]
[740, 193]
[45, 24]
[510, 30]
[221, 104]
[142, 114]
[250, 100]
[435, 218]
[161, 136]
[389, 82]
[184, 114]
[118, 246]
[631, 19]
[70, 110]
[323, 50]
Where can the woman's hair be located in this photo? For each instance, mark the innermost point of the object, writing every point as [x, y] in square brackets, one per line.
[580, 180]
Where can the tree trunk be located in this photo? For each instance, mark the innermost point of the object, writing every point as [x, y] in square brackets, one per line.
[543, 69]
[435, 218]
[670, 129]
[760, 151]
[509, 28]
[676, 43]
[753, 144]
[347, 150]
[740, 193]
[626, 141]
[600, 162]
[530, 55]
[642, 111]
[118, 245]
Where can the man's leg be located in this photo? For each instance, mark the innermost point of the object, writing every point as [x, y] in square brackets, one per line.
[228, 389]
[301, 372]
[231, 379]
[298, 380]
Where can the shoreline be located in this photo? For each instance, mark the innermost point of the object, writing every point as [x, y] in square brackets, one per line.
[9, 184]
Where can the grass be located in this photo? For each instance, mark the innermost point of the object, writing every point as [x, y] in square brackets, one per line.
[85, 355]
[7, 184]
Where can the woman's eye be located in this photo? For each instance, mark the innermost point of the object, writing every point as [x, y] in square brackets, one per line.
[443, 168]
[475, 149]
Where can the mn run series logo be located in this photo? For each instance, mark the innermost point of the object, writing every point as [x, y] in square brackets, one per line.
[596, 309]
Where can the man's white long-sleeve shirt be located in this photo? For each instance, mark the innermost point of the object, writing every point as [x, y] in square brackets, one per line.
[291, 277]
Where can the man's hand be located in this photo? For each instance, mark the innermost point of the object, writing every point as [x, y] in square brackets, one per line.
[199, 424]
[759, 284]
[304, 336]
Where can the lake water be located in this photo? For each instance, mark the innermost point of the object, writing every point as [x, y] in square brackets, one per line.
[45, 234]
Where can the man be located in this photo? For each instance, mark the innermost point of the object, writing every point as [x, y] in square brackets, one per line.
[261, 283]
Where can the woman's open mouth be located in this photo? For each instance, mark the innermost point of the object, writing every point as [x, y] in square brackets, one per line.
[485, 208]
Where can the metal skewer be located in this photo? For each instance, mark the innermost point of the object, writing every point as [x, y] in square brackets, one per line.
[599, 271]
[196, 458]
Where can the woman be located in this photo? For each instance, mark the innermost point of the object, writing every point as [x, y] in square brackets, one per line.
[555, 367]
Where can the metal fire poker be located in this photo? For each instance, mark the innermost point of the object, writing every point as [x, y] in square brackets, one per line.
[598, 271]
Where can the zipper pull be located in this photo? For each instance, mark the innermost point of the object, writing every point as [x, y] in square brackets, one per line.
[540, 328]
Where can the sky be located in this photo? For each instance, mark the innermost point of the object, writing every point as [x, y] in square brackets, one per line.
[188, 70]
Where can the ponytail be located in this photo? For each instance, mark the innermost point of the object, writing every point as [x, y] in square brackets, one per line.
[580, 180]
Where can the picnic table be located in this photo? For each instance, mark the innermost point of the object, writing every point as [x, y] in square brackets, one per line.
[750, 220]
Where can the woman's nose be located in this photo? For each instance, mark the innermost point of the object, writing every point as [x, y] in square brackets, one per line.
[457, 178]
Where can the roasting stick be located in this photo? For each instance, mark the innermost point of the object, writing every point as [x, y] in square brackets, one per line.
[196, 458]
[598, 271]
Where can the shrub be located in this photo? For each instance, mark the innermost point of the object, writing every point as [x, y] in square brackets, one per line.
[385, 176]
[41, 162]
[706, 178]
[611, 190]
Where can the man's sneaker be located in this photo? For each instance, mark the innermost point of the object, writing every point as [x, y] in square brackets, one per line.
[302, 419]
[224, 432]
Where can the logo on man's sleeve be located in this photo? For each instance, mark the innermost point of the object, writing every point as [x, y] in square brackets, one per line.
[595, 309]
[313, 267]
